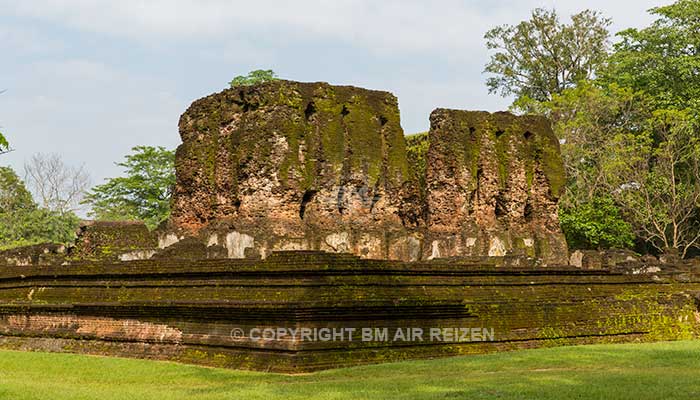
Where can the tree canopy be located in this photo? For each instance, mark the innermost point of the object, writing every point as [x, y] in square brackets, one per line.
[143, 194]
[23, 223]
[542, 56]
[662, 60]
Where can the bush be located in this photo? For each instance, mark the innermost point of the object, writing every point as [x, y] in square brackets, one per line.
[596, 225]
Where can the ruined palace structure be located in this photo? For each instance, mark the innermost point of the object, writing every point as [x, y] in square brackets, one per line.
[310, 166]
[300, 206]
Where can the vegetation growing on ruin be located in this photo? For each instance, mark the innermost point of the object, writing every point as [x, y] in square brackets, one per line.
[254, 77]
[416, 153]
[321, 132]
[640, 371]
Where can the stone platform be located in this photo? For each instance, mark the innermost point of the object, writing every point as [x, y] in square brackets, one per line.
[215, 312]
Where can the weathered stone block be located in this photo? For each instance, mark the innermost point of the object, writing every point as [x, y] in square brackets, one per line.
[289, 165]
[39, 254]
[493, 182]
[290, 156]
[108, 241]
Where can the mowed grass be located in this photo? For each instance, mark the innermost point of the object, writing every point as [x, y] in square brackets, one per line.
[632, 371]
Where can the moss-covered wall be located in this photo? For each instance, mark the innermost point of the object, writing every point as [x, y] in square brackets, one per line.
[110, 241]
[191, 311]
[287, 165]
[283, 152]
[493, 183]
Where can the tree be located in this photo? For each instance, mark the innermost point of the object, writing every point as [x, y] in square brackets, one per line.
[57, 186]
[587, 119]
[145, 192]
[14, 196]
[656, 172]
[416, 152]
[541, 56]
[655, 178]
[663, 60]
[254, 77]
[628, 133]
[23, 223]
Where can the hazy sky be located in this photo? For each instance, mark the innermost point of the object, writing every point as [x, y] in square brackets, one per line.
[91, 79]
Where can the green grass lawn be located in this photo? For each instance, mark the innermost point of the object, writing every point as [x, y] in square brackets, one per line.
[633, 371]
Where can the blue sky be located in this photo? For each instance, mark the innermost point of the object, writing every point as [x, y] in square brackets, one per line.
[91, 79]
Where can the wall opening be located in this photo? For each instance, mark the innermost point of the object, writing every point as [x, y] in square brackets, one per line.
[305, 200]
[310, 110]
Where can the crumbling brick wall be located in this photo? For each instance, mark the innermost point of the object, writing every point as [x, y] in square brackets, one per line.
[493, 183]
[291, 166]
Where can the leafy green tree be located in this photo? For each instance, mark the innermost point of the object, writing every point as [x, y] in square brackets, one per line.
[655, 179]
[145, 192]
[23, 223]
[254, 77]
[663, 60]
[14, 196]
[587, 119]
[37, 226]
[597, 224]
[629, 136]
[542, 56]
[656, 172]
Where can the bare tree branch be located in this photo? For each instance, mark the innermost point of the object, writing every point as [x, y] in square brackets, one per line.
[55, 185]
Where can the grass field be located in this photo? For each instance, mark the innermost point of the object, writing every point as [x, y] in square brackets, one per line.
[633, 371]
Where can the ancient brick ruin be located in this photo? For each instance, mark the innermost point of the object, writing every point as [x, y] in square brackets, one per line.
[310, 166]
[298, 205]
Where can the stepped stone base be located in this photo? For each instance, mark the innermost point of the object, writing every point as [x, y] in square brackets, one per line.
[208, 311]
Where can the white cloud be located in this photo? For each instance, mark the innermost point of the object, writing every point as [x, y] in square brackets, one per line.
[390, 25]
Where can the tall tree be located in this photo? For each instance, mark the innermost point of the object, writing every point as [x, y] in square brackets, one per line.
[663, 60]
[658, 179]
[587, 119]
[55, 185]
[542, 56]
[655, 178]
[145, 192]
